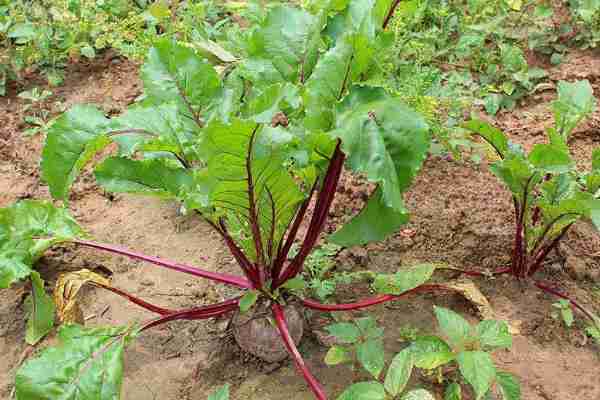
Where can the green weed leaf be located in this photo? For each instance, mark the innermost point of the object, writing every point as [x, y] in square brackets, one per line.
[345, 332]
[494, 334]
[371, 356]
[337, 355]
[364, 391]
[404, 279]
[453, 326]
[430, 352]
[399, 372]
[478, 369]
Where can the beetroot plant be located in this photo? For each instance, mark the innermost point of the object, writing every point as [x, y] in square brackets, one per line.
[250, 147]
[549, 193]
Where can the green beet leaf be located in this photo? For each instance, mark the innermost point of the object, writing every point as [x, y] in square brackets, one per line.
[430, 352]
[233, 149]
[27, 229]
[289, 38]
[86, 365]
[403, 280]
[549, 158]
[150, 177]
[371, 356]
[72, 141]
[399, 372]
[478, 369]
[364, 391]
[494, 136]
[453, 326]
[40, 308]
[383, 139]
[175, 73]
[493, 334]
[375, 222]
[509, 386]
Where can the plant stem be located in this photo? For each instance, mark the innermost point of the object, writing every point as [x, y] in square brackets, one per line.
[214, 276]
[390, 14]
[544, 251]
[291, 236]
[243, 261]
[370, 301]
[254, 223]
[317, 222]
[203, 312]
[282, 325]
[136, 300]
[574, 304]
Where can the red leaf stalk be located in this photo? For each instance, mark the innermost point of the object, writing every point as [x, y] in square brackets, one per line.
[281, 323]
[214, 276]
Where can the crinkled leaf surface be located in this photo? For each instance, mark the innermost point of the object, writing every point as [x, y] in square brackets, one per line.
[478, 369]
[86, 365]
[337, 355]
[176, 73]
[40, 308]
[289, 38]
[27, 229]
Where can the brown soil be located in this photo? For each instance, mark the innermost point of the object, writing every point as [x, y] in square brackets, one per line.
[460, 215]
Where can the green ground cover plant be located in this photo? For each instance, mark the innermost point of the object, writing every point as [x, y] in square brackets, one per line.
[463, 355]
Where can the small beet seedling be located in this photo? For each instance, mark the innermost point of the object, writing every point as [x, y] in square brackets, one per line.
[466, 347]
[248, 149]
[549, 193]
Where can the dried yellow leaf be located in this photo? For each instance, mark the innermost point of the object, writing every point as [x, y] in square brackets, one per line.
[65, 293]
